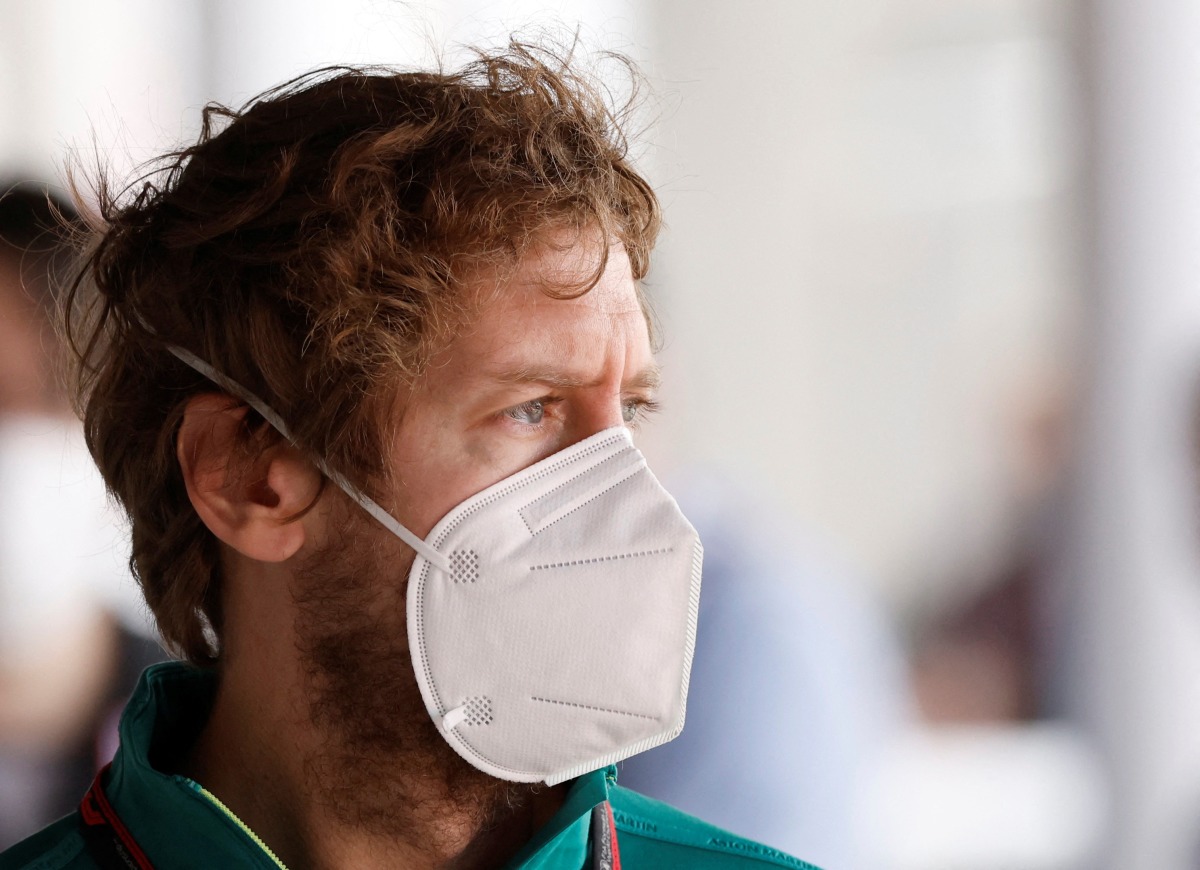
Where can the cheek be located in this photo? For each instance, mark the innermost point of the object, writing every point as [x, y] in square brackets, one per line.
[436, 471]
[441, 460]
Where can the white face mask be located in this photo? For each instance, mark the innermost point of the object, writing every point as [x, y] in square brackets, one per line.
[551, 617]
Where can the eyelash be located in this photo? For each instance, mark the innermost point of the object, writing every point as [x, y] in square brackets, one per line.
[546, 403]
[641, 408]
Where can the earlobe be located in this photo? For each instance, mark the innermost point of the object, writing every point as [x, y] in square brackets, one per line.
[248, 499]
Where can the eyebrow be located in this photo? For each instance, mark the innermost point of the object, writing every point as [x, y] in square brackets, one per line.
[648, 378]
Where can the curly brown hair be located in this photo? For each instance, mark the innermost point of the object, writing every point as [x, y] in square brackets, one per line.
[314, 247]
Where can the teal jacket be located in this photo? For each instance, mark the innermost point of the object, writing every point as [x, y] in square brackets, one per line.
[177, 824]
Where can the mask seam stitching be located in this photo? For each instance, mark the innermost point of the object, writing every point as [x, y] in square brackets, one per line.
[591, 707]
[597, 559]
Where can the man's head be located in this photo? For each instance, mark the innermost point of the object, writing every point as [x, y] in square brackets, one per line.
[341, 247]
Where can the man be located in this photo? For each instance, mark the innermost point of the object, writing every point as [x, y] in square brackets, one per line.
[421, 288]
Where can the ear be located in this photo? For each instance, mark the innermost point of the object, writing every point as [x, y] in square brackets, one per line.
[248, 501]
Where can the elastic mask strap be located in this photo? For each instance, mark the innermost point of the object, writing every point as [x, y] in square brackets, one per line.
[365, 502]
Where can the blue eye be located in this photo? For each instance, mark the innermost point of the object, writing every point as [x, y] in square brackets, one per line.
[531, 412]
[632, 412]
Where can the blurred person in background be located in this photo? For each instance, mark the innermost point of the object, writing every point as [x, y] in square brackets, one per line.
[67, 662]
[797, 692]
[431, 281]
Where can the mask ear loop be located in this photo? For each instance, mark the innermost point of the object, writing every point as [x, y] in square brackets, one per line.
[364, 501]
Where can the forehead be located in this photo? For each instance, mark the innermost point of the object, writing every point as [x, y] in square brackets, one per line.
[577, 291]
[559, 275]
[518, 317]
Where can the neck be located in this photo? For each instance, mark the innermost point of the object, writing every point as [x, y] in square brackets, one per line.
[263, 758]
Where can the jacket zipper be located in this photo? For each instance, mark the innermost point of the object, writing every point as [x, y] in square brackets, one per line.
[216, 801]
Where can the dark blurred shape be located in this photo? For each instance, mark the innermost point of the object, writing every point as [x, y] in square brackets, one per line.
[977, 662]
[35, 258]
[980, 656]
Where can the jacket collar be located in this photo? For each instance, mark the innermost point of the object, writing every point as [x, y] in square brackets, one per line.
[173, 821]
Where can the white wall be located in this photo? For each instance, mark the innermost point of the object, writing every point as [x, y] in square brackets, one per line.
[869, 277]
[113, 78]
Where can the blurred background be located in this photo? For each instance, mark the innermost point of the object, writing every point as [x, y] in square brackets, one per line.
[930, 295]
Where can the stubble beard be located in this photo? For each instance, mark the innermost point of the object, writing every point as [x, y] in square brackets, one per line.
[383, 768]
